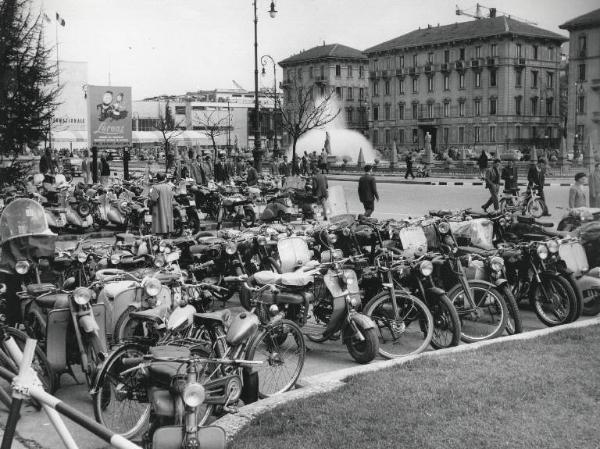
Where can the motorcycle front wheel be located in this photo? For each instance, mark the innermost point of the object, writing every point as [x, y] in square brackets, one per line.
[281, 348]
[514, 324]
[446, 323]
[553, 301]
[535, 208]
[407, 334]
[365, 350]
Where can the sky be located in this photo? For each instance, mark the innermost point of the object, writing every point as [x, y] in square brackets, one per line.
[176, 46]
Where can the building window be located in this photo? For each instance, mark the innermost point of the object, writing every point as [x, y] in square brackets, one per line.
[581, 104]
[338, 70]
[387, 87]
[415, 85]
[462, 54]
[550, 80]
[401, 111]
[375, 88]
[415, 135]
[310, 72]
[401, 136]
[361, 93]
[446, 109]
[350, 96]
[477, 79]
[534, 132]
[518, 105]
[401, 85]
[582, 45]
[535, 52]
[548, 134]
[375, 137]
[388, 139]
[493, 106]
[429, 110]
[430, 84]
[477, 104]
[581, 72]
[386, 111]
[461, 134]
[446, 134]
[534, 79]
[361, 71]
[430, 57]
[375, 112]
[322, 71]
[478, 52]
[492, 133]
[549, 106]
[534, 104]
[551, 53]
[493, 78]
[579, 133]
[461, 80]
[494, 50]
[446, 56]
[349, 115]
[518, 78]
[415, 111]
[461, 108]
[300, 73]
[180, 110]
[518, 132]
[446, 81]
[339, 93]
[477, 133]
[349, 71]
[414, 60]
[519, 51]
[401, 61]
[322, 91]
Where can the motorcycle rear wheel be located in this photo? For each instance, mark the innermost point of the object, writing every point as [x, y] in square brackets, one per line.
[591, 306]
[535, 208]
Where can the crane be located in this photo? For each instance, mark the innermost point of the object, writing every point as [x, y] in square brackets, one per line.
[492, 12]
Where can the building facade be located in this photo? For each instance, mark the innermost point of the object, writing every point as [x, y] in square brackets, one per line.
[583, 119]
[490, 83]
[326, 68]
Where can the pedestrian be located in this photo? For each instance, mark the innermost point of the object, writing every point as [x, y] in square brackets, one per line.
[492, 183]
[285, 168]
[104, 169]
[367, 191]
[86, 167]
[275, 167]
[47, 163]
[510, 176]
[576, 193]
[126, 159]
[536, 177]
[305, 163]
[321, 190]
[207, 168]
[323, 162]
[221, 174]
[594, 185]
[251, 175]
[162, 199]
[95, 164]
[409, 165]
[482, 162]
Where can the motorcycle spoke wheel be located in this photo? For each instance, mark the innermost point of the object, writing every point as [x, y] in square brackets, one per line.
[446, 324]
[120, 402]
[535, 208]
[552, 302]
[281, 348]
[408, 333]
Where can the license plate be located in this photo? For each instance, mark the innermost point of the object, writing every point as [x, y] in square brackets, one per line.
[148, 218]
[193, 203]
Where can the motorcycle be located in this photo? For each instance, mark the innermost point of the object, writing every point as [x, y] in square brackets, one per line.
[279, 208]
[237, 208]
[577, 217]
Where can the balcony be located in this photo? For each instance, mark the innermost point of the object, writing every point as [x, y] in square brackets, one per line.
[385, 73]
[401, 72]
[321, 79]
[596, 117]
[520, 61]
[373, 75]
[412, 71]
[492, 61]
[460, 65]
[445, 67]
[428, 68]
[475, 63]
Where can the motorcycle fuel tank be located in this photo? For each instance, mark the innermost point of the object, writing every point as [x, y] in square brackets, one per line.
[242, 327]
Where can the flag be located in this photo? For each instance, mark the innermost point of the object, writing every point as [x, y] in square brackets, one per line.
[46, 18]
[60, 20]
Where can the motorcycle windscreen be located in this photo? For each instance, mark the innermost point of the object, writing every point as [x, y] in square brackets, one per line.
[414, 240]
[574, 257]
[293, 253]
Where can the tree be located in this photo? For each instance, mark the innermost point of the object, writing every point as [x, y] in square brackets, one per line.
[169, 130]
[213, 124]
[27, 94]
[302, 113]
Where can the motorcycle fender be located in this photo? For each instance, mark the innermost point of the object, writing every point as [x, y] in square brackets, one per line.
[114, 216]
[123, 300]
[364, 321]
[500, 282]
[88, 221]
[73, 218]
[88, 324]
[586, 282]
[95, 323]
[56, 338]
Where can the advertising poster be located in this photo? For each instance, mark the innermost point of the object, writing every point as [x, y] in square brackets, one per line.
[109, 116]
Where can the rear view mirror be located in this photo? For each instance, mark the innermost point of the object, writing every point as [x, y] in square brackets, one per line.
[212, 437]
[69, 283]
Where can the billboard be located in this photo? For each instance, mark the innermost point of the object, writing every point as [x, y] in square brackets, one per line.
[109, 116]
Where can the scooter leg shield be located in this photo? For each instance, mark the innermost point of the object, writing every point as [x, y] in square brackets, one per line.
[337, 316]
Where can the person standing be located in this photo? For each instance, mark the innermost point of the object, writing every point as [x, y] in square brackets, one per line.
[536, 177]
[126, 159]
[251, 176]
[510, 176]
[86, 167]
[482, 162]
[492, 183]
[409, 165]
[594, 186]
[207, 168]
[221, 174]
[161, 196]
[284, 167]
[367, 191]
[321, 190]
[305, 163]
[576, 193]
[95, 165]
[47, 164]
[104, 169]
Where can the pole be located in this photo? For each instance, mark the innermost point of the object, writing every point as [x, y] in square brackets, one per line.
[228, 127]
[257, 149]
[275, 147]
[57, 66]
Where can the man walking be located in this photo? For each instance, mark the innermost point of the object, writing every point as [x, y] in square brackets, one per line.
[221, 173]
[576, 194]
[367, 191]
[126, 159]
[320, 190]
[594, 185]
[492, 182]
[47, 164]
[161, 196]
[409, 165]
[536, 177]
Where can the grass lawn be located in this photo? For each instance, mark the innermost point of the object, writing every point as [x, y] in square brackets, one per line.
[541, 394]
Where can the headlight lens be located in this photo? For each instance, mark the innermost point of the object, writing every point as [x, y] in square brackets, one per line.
[332, 238]
[82, 257]
[443, 227]
[542, 251]
[552, 246]
[115, 259]
[82, 295]
[231, 248]
[426, 268]
[193, 395]
[497, 263]
[168, 250]
[354, 300]
[22, 267]
[152, 286]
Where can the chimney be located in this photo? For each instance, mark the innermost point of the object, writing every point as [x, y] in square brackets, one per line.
[428, 26]
[492, 13]
[323, 43]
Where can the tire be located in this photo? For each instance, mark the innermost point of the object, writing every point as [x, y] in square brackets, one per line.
[362, 351]
[488, 319]
[591, 307]
[577, 295]
[446, 323]
[94, 349]
[194, 223]
[127, 417]
[558, 306]
[40, 363]
[514, 323]
[410, 334]
[535, 208]
[127, 328]
[280, 357]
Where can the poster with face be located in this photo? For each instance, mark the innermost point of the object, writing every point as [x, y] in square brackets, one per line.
[108, 114]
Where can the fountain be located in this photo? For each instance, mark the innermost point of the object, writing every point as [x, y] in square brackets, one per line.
[342, 141]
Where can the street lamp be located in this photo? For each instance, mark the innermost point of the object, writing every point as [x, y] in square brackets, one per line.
[264, 61]
[257, 150]
[578, 93]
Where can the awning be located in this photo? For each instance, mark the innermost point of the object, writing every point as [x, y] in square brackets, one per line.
[69, 136]
[180, 138]
[147, 137]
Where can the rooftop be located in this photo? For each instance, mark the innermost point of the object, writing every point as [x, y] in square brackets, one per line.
[331, 51]
[590, 19]
[480, 28]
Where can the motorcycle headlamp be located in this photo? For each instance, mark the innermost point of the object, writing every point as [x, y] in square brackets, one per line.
[552, 246]
[497, 263]
[426, 268]
[82, 257]
[82, 295]
[115, 259]
[22, 266]
[152, 286]
[193, 395]
[261, 240]
[503, 222]
[167, 250]
[542, 251]
[443, 227]
[346, 232]
[159, 261]
[273, 310]
[231, 248]
[123, 204]
[332, 238]
[354, 300]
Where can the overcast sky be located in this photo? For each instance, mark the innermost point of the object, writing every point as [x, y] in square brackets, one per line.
[174, 46]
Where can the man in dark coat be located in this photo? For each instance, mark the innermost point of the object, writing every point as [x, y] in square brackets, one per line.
[321, 190]
[510, 176]
[482, 162]
[251, 175]
[492, 183]
[536, 177]
[221, 172]
[367, 191]
[285, 168]
[47, 164]
[409, 166]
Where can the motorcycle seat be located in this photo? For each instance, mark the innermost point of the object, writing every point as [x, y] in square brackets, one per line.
[163, 372]
[205, 234]
[464, 250]
[298, 278]
[220, 316]
[40, 289]
[147, 315]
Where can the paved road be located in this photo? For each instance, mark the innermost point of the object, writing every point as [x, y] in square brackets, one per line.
[396, 201]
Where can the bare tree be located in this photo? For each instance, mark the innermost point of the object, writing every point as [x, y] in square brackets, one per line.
[169, 130]
[213, 124]
[303, 113]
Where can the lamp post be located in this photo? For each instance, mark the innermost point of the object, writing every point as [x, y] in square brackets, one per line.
[264, 61]
[578, 93]
[257, 150]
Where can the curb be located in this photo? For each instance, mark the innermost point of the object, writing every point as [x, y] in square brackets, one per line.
[440, 183]
[325, 382]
